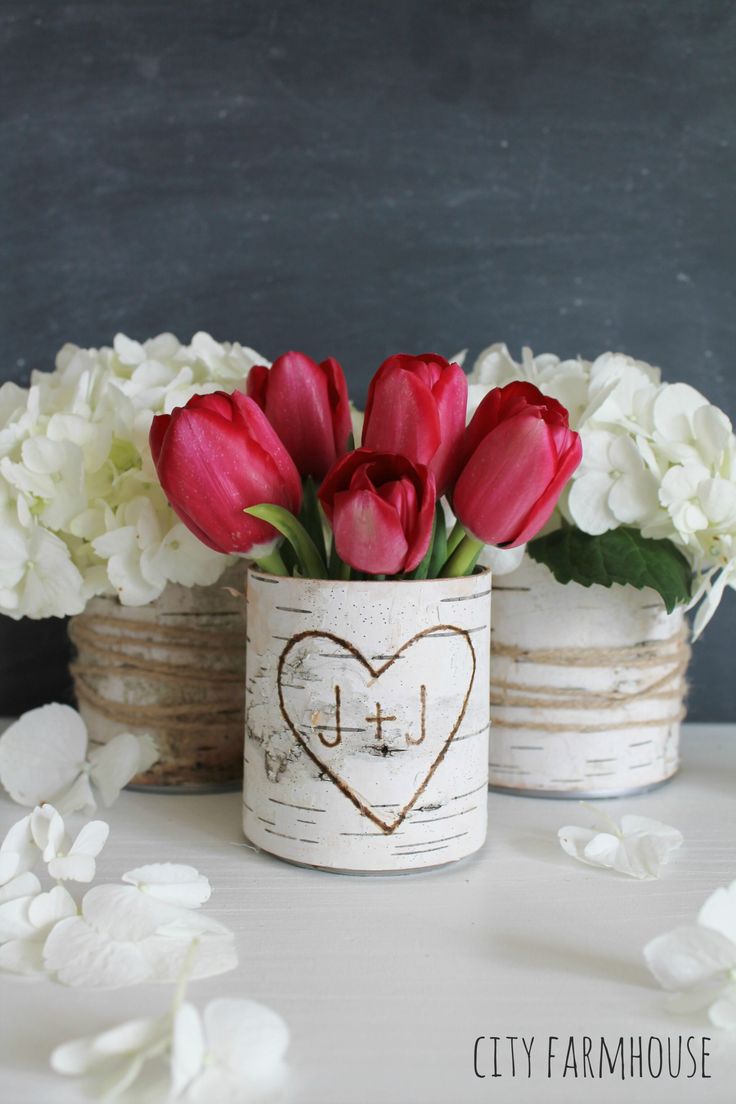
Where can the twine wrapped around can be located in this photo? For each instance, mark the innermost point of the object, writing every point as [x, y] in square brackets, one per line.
[367, 721]
[173, 669]
[587, 687]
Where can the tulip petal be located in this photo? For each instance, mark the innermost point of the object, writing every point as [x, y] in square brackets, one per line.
[368, 533]
[504, 478]
[212, 469]
[157, 433]
[451, 395]
[298, 408]
[541, 512]
[401, 417]
[342, 420]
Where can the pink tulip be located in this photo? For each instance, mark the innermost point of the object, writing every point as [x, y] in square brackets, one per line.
[516, 457]
[416, 407]
[216, 456]
[381, 508]
[307, 405]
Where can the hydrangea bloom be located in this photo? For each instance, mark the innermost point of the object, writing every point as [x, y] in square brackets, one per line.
[81, 510]
[656, 456]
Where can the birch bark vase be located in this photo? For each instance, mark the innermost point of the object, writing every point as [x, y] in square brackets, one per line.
[587, 687]
[367, 721]
[172, 669]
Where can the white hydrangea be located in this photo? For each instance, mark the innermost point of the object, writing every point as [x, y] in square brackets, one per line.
[81, 510]
[656, 456]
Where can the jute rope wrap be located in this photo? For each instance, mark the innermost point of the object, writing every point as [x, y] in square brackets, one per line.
[177, 675]
[587, 686]
[672, 655]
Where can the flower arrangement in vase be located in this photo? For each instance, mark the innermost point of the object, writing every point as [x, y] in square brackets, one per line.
[368, 646]
[86, 532]
[590, 641]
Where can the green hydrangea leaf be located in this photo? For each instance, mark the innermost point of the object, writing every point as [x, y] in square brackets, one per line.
[619, 556]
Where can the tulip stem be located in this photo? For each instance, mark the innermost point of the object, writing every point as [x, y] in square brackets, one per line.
[344, 571]
[273, 564]
[464, 558]
[456, 535]
[311, 563]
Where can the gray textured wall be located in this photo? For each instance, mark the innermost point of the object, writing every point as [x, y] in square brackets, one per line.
[360, 178]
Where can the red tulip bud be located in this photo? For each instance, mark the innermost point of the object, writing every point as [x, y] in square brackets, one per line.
[307, 404]
[516, 457]
[381, 508]
[216, 456]
[416, 407]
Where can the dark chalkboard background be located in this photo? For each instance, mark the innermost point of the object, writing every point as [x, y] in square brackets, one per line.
[359, 178]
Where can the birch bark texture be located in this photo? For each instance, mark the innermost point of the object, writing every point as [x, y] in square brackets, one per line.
[587, 687]
[172, 669]
[367, 720]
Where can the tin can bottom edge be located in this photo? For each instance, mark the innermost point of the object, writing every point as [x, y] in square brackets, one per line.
[188, 789]
[409, 870]
[582, 795]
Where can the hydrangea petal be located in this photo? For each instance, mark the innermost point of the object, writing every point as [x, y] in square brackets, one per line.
[719, 912]
[120, 912]
[722, 1013]
[76, 798]
[42, 753]
[47, 828]
[588, 503]
[187, 1049]
[24, 885]
[81, 956]
[639, 848]
[690, 956]
[114, 764]
[246, 1036]
[47, 909]
[165, 955]
[22, 956]
[18, 851]
[173, 883]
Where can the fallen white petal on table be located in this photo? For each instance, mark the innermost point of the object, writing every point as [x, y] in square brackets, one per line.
[115, 1057]
[124, 936]
[174, 883]
[45, 757]
[21, 951]
[18, 851]
[67, 860]
[697, 962]
[639, 847]
[234, 1054]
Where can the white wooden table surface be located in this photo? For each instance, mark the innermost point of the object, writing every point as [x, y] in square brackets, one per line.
[387, 982]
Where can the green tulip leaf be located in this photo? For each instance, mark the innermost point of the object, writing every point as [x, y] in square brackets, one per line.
[619, 556]
[310, 563]
[311, 516]
[439, 543]
[422, 568]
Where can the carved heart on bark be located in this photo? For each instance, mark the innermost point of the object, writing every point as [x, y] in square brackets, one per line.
[354, 718]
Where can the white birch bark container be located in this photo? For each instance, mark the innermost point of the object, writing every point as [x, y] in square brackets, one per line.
[587, 687]
[367, 721]
[172, 669]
